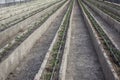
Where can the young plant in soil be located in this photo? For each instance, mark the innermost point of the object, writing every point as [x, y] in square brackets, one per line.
[19, 39]
[108, 45]
[51, 71]
[107, 11]
[17, 20]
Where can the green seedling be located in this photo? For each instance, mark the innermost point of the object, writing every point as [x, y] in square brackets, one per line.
[106, 41]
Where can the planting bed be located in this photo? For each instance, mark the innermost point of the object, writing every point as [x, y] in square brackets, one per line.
[115, 14]
[112, 22]
[21, 17]
[82, 61]
[29, 38]
[30, 65]
[111, 33]
[51, 64]
[117, 7]
[60, 40]
[8, 14]
[113, 36]
[21, 27]
[19, 12]
[11, 11]
[107, 52]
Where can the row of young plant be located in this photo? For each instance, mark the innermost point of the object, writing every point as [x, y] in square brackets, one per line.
[17, 20]
[31, 24]
[107, 11]
[21, 37]
[7, 15]
[108, 45]
[110, 4]
[10, 13]
[21, 31]
[16, 8]
[51, 71]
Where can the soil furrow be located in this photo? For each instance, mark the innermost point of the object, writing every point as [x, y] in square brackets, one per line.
[82, 63]
[31, 64]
